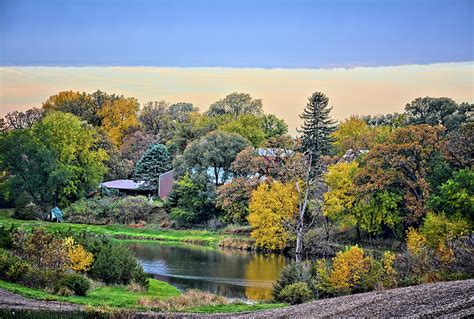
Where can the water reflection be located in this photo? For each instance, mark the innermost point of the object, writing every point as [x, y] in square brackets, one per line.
[230, 273]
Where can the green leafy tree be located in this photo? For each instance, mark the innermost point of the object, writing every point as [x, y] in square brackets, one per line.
[456, 196]
[212, 154]
[56, 161]
[192, 199]
[435, 111]
[248, 126]
[273, 126]
[236, 104]
[155, 161]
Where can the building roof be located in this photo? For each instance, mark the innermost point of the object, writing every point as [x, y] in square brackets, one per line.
[124, 184]
[273, 152]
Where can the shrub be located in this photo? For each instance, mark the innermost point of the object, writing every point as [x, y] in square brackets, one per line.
[25, 209]
[438, 229]
[107, 210]
[79, 258]
[74, 282]
[6, 236]
[141, 278]
[347, 268]
[183, 217]
[296, 293]
[44, 250]
[114, 263]
[292, 273]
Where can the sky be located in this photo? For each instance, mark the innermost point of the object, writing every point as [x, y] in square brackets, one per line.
[368, 56]
[230, 33]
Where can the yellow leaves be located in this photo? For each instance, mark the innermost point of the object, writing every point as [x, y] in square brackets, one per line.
[342, 191]
[118, 116]
[273, 208]
[79, 258]
[348, 267]
[435, 234]
[416, 242]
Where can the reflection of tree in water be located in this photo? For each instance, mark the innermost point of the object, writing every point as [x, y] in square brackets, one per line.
[263, 270]
[224, 272]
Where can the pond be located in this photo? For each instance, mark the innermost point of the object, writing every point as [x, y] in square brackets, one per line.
[226, 272]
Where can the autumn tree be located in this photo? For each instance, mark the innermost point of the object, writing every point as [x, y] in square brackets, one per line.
[355, 134]
[79, 258]
[278, 160]
[236, 104]
[341, 198]
[85, 106]
[212, 154]
[233, 198]
[400, 166]
[118, 117]
[155, 161]
[272, 212]
[458, 145]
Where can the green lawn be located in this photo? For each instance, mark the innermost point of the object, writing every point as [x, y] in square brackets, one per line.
[112, 296]
[200, 237]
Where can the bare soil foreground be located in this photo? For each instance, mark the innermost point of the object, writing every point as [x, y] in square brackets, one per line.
[452, 299]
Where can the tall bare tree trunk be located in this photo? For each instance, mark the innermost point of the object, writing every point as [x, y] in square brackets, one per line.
[303, 201]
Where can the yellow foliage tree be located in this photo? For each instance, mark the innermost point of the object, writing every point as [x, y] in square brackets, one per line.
[79, 258]
[117, 117]
[272, 209]
[354, 133]
[348, 267]
[340, 199]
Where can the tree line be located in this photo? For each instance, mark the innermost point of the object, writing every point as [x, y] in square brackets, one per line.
[234, 164]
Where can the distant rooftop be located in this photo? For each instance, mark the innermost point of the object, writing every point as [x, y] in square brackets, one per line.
[123, 184]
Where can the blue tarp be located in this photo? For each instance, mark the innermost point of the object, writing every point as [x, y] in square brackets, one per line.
[57, 214]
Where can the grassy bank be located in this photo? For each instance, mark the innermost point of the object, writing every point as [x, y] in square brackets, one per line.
[121, 297]
[198, 237]
[112, 296]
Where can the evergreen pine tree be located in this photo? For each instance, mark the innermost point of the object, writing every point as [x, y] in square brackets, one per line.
[155, 161]
[317, 127]
[316, 141]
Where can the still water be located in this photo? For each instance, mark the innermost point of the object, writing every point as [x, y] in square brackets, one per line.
[230, 273]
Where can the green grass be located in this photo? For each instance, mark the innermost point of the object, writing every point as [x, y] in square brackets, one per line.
[121, 297]
[112, 296]
[199, 237]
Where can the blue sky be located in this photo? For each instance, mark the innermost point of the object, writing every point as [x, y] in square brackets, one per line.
[266, 34]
